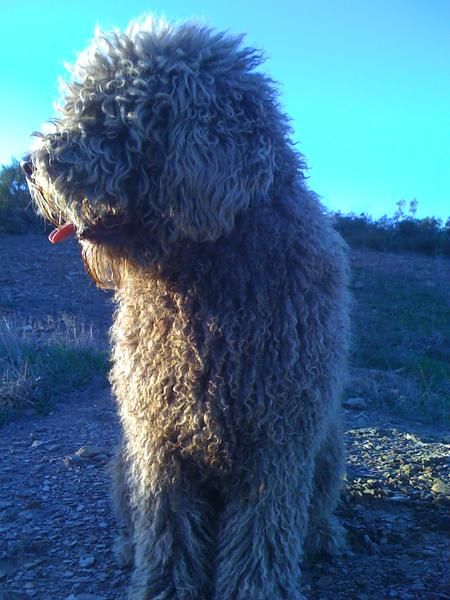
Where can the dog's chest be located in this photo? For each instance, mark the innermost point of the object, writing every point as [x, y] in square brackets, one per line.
[168, 361]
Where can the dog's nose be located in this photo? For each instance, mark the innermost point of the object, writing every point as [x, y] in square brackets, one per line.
[27, 166]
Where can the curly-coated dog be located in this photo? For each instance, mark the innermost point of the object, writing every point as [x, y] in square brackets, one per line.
[173, 164]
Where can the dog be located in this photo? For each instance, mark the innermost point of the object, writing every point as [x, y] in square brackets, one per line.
[173, 164]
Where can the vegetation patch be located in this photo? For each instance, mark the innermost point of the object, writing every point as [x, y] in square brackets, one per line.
[403, 232]
[16, 213]
[41, 362]
[401, 339]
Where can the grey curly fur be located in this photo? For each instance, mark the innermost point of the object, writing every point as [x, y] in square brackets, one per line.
[173, 159]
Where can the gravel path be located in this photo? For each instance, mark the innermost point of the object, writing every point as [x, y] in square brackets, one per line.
[57, 528]
[56, 525]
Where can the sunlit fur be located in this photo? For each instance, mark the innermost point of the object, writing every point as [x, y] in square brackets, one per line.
[172, 158]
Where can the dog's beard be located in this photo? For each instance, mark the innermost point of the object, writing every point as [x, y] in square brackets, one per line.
[104, 264]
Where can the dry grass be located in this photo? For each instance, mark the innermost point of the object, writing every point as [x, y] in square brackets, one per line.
[41, 361]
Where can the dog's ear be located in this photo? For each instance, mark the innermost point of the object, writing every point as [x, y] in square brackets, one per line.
[220, 155]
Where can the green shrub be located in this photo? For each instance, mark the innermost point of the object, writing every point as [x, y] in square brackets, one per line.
[16, 212]
[400, 233]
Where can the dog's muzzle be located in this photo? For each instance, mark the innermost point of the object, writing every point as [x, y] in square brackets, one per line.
[27, 167]
[62, 232]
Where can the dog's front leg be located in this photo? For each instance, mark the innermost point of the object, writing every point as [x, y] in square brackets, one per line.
[262, 531]
[172, 546]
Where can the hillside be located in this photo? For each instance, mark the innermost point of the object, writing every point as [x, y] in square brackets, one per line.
[55, 518]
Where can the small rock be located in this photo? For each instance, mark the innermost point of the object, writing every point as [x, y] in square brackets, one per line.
[84, 596]
[33, 504]
[91, 451]
[73, 459]
[398, 498]
[439, 487]
[428, 552]
[87, 561]
[355, 403]
[37, 443]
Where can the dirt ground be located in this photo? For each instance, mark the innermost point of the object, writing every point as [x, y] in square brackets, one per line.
[56, 525]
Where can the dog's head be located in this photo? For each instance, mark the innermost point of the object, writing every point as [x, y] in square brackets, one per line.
[166, 134]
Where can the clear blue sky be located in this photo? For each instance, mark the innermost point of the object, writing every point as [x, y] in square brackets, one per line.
[367, 83]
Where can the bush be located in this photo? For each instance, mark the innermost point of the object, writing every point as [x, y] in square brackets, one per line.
[399, 233]
[16, 212]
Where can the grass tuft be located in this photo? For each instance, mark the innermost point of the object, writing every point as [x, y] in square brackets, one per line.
[41, 362]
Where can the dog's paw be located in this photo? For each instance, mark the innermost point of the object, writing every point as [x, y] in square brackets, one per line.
[124, 551]
[327, 537]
